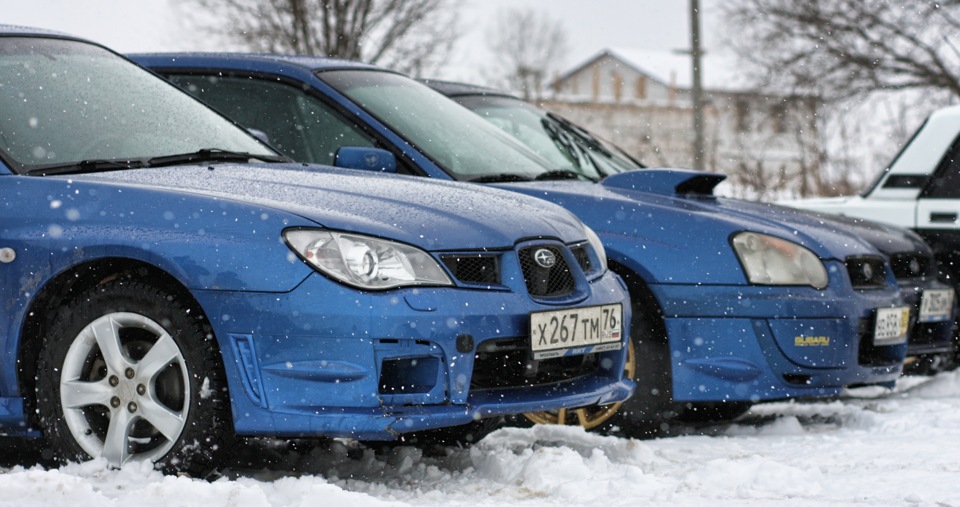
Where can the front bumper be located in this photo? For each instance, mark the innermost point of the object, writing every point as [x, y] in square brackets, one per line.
[327, 360]
[755, 343]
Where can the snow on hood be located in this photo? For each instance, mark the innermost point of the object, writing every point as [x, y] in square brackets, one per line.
[432, 214]
[716, 217]
[885, 238]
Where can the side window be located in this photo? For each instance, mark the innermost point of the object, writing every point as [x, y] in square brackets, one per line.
[946, 180]
[296, 123]
[327, 130]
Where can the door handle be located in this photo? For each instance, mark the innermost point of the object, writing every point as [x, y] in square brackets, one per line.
[942, 217]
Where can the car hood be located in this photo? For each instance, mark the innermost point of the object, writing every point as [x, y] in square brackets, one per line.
[692, 220]
[888, 239]
[431, 214]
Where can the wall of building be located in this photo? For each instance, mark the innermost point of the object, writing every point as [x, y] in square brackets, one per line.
[763, 143]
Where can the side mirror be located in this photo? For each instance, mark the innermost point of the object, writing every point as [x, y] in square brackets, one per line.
[367, 159]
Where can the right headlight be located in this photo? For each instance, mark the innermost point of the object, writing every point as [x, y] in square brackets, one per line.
[365, 262]
[769, 260]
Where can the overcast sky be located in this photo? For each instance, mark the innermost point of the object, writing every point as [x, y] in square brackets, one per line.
[156, 25]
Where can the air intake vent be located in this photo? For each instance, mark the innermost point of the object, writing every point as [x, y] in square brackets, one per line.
[546, 272]
[474, 268]
[866, 272]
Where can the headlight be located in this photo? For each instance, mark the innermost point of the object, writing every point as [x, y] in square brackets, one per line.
[769, 260]
[597, 246]
[365, 262]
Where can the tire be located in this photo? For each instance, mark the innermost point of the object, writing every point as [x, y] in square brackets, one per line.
[649, 411]
[130, 373]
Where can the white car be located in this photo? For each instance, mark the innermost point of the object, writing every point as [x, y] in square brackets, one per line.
[920, 190]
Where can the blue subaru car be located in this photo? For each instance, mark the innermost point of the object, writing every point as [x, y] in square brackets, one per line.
[731, 306]
[931, 344]
[168, 281]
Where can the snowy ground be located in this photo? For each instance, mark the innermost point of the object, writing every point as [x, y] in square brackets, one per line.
[873, 447]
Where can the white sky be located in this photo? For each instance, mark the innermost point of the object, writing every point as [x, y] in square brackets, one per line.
[158, 25]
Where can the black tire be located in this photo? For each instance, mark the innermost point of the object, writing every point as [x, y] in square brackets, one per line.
[143, 381]
[649, 411]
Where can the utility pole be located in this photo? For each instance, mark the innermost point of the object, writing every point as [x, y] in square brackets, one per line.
[697, 86]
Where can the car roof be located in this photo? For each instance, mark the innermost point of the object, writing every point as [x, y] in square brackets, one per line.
[33, 31]
[310, 63]
[457, 89]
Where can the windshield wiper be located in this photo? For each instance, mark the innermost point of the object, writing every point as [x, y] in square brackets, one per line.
[212, 155]
[87, 166]
[560, 174]
[585, 137]
[499, 178]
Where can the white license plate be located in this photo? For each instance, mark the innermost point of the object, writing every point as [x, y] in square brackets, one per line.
[936, 305]
[891, 327]
[576, 331]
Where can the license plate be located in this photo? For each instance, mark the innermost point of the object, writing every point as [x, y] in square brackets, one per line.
[891, 327]
[936, 305]
[576, 331]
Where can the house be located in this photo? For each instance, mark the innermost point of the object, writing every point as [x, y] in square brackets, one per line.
[641, 100]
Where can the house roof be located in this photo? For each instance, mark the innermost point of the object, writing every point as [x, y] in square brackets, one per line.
[719, 72]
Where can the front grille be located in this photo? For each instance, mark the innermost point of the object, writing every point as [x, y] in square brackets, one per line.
[553, 281]
[508, 363]
[866, 272]
[910, 265]
[474, 268]
[582, 256]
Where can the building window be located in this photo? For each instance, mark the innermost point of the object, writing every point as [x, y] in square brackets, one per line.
[640, 87]
[617, 86]
[596, 83]
[778, 117]
[742, 112]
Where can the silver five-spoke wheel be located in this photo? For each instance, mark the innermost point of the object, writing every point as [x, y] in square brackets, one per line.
[123, 386]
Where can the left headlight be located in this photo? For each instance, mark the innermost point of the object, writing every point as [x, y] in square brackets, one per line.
[597, 246]
[769, 260]
[363, 261]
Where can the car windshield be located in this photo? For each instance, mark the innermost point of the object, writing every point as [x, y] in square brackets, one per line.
[462, 143]
[66, 102]
[552, 137]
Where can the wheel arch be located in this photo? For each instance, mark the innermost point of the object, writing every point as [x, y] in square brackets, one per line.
[641, 295]
[70, 284]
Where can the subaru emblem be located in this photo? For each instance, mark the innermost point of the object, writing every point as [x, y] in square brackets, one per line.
[545, 258]
[914, 267]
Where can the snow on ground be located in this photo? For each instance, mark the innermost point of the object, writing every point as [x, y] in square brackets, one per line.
[872, 447]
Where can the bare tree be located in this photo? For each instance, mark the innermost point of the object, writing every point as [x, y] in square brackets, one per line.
[845, 48]
[527, 46]
[412, 36]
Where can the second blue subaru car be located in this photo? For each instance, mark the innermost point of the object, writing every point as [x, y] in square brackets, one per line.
[730, 307]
